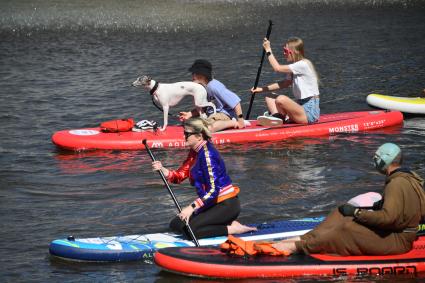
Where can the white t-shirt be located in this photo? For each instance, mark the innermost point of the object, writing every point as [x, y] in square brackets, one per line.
[304, 83]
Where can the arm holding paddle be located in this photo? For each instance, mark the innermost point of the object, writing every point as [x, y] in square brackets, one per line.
[277, 68]
[272, 59]
[177, 176]
[186, 213]
[157, 165]
[272, 87]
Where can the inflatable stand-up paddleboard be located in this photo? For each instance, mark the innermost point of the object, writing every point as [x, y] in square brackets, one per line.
[411, 105]
[141, 247]
[211, 262]
[172, 137]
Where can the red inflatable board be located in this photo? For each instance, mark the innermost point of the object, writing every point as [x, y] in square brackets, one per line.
[329, 124]
[212, 263]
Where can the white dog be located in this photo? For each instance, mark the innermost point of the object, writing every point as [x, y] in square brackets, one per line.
[170, 94]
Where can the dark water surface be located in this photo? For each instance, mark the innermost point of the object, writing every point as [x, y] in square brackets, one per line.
[69, 64]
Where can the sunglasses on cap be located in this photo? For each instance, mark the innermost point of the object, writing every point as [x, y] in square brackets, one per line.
[287, 51]
[188, 134]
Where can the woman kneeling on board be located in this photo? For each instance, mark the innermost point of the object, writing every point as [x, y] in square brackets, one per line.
[392, 229]
[215, 210]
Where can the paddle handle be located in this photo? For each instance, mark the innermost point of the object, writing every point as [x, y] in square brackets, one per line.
[192, 235]
[257, 79]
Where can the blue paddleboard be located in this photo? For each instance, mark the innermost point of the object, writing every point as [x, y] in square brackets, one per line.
[142, 247]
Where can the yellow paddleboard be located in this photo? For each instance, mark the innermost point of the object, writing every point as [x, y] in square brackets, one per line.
[414, 105]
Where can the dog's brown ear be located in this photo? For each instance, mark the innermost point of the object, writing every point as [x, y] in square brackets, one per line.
[149, 78]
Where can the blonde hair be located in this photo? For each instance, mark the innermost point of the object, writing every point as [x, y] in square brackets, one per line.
[296, 44]
[200, 126]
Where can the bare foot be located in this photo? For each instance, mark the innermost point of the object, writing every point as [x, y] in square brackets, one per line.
[238, 228]
[293, 239]
[285, 246]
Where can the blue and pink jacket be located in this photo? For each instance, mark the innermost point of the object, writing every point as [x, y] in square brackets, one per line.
[207, 172]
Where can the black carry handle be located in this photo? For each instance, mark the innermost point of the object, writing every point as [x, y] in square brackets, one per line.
[171, 193]
[269, 31]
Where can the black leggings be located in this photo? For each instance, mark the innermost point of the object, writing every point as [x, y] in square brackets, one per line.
[211, 222]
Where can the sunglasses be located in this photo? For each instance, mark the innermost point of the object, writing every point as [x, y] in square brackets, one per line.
[188, 134]
[287, 51]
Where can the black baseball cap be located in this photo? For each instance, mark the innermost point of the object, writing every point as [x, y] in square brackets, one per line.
[201, 67]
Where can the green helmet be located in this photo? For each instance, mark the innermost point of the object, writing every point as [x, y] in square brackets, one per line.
[385, 155]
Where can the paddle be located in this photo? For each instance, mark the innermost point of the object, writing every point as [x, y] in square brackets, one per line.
[171, 193]
[269, 30]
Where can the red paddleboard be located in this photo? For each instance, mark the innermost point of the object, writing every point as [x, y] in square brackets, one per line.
[329, 124]
[210, 262]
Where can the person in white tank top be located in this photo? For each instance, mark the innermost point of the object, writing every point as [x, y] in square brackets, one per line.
[302, 76]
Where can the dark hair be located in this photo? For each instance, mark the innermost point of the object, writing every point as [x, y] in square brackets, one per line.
[202, 67]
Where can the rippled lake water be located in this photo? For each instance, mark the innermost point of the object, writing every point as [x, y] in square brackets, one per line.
[69, 64]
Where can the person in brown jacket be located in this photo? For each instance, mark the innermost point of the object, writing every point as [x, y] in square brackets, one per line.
[349, 230]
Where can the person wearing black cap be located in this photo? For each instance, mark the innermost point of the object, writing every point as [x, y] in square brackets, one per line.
[228, 104]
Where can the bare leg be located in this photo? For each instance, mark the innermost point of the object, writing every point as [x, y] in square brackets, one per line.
[271, 105]
[292, 239]
[285, 246]
[295, 111]
[238, 228]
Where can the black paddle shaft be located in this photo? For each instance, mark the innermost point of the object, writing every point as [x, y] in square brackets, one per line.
[192, 235]
[257, 79]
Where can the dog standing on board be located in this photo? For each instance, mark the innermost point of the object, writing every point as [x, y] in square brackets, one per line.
[170, 94]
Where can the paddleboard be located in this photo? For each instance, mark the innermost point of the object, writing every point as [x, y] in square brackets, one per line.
[412, 105]
[210, 262]
[172, 137]
[142, 247]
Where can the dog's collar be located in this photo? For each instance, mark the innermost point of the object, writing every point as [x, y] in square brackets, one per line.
[155, 87]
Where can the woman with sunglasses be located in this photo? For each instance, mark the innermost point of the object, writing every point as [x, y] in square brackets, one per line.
[215, 210]
[303, 78]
